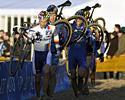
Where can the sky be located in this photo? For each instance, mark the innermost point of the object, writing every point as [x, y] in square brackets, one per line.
[26, 4]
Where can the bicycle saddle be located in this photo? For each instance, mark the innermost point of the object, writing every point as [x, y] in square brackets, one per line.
[97, 5]
[67, 3]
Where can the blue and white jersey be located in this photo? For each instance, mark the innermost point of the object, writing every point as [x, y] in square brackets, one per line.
[45, 37]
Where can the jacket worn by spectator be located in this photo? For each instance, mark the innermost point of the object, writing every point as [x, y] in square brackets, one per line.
[121, 45]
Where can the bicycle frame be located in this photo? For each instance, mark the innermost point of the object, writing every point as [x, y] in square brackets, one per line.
[67, 3]
[93, 9]
[90, 18]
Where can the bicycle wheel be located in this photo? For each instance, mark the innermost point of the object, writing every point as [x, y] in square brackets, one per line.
[67, 63]
[98, 32]
[64, 30]
[100, 21]
[72, 19]
[19, 53]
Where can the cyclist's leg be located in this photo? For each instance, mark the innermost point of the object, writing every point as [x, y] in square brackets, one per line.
[92, 69]
[52, 81]
[52, 74]
[38, 68]
[46, 74]
[83, 72]
[45, 79]
[72, 67]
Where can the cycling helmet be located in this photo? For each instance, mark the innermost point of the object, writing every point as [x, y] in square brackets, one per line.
[79, 12]
[83, 13]
[52, 8]
[43, 15]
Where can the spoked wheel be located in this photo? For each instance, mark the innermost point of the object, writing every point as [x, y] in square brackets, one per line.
[100, 21]
[19, 53]
[64, 29]
[85, 25]
[98, 32]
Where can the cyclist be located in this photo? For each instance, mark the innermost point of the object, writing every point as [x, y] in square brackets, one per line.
[91, 47]
[77, 57]
[41, 47]
[52, 56]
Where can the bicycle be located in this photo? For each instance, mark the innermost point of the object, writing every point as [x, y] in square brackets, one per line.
[100, 34]
[60, 17]
[19, 52]
[105, 34]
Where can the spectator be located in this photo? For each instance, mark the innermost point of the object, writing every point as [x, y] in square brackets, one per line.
[121, 45]
[114, 41]
[2, 47]
[4, 44]
[7, 45]
[121, 42]
[1, 33]
[113, 46]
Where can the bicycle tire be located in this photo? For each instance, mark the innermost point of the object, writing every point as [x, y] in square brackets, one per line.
[69, 28]
[102, 33]
[101, 19]
[85, 23]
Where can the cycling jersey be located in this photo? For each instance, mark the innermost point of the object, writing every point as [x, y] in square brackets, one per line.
[77, 51]
[45, 37]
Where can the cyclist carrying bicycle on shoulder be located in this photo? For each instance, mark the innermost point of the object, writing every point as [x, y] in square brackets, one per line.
[52, 59]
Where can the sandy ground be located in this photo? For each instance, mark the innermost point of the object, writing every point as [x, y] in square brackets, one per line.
[104, 90]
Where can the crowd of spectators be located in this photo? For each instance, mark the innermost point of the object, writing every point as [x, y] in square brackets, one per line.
[117, 47]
